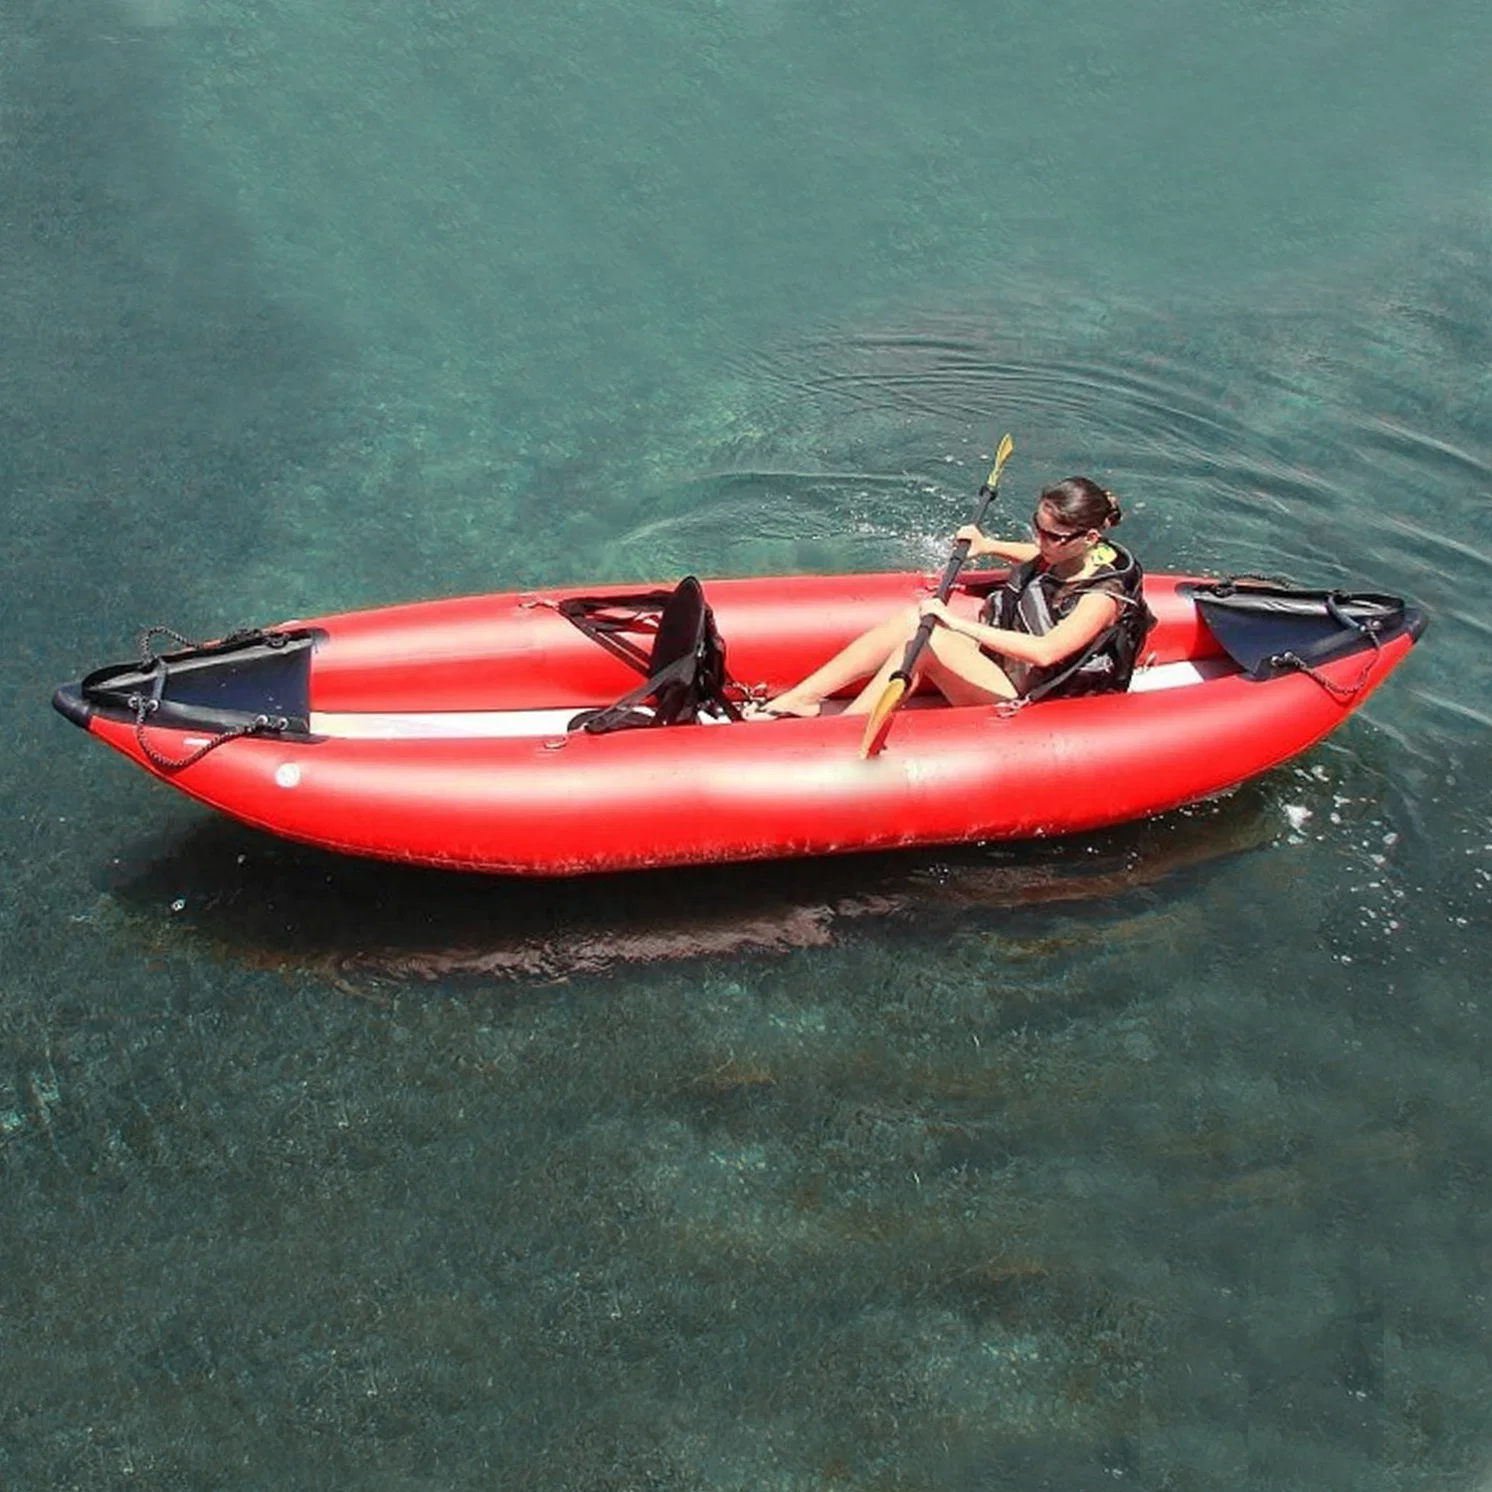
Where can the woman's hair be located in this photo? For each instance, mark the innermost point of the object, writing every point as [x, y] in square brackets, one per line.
[1079, 504]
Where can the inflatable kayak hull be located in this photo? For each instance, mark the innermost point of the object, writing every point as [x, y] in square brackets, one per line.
[436, 733]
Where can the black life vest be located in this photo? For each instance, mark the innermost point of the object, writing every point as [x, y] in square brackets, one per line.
[1033, 600]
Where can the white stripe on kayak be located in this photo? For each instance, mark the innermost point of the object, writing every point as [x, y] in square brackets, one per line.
[1177, 675]
[496, 725]
[468, 724]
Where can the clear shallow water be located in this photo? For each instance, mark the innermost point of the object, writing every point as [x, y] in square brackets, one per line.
[1156, 1159]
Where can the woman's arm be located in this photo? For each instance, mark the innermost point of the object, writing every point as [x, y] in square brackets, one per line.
[981, 545]
[1093, 613]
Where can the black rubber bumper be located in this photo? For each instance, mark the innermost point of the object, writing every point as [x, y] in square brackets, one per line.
[68, 701]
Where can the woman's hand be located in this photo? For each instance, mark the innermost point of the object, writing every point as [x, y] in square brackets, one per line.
[970, 531]
[938, 610]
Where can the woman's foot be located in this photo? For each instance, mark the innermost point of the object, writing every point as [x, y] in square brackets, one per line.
[784, 707]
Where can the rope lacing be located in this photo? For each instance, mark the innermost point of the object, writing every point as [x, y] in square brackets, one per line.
[1229, 583]
[1344, 694]
[144, 708]
[145, 705]
[148, 657]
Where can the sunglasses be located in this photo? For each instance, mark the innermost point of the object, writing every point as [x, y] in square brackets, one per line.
[1052, 535]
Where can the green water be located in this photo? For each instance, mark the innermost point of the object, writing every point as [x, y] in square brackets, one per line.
[1157, 1159]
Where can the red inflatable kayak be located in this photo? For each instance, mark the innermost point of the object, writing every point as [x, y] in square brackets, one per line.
[441, 733]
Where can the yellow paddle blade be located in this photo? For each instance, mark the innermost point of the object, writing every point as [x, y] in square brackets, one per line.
[878, 727]
[1002, 455]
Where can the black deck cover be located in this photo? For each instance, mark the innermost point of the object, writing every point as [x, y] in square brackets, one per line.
[213, 688]
[1268, 628]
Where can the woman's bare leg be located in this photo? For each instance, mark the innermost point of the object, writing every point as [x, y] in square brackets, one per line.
[881, 645]
[962, 673]
[952, 664]
[865, 701]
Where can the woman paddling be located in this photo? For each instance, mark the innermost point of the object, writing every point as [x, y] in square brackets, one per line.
[1069, 620]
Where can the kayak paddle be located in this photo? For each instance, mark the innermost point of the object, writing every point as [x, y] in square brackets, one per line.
[878, 727]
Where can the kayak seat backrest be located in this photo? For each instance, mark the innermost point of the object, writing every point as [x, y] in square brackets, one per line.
[685, 671]
[1268, 629]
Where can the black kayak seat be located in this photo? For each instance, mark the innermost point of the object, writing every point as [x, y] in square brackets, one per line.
[685, 676]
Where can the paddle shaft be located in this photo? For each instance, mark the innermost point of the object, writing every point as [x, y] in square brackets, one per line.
[879, 723]
[956, 560]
